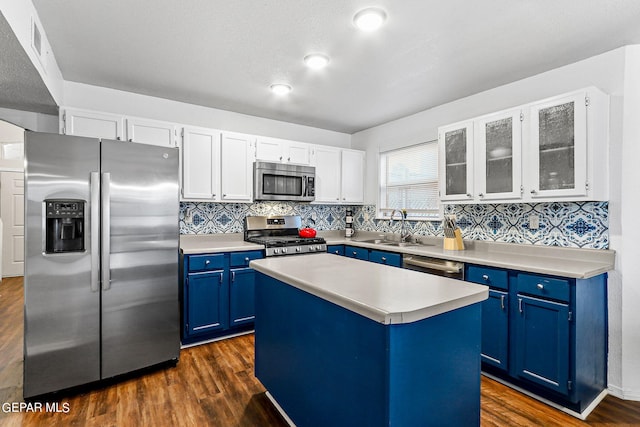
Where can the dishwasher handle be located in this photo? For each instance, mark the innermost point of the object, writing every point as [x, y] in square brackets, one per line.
[446, 267]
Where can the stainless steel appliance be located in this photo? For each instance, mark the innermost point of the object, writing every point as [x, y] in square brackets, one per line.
[439, 267]
[279, 235]
[279, 181]
[101, 260]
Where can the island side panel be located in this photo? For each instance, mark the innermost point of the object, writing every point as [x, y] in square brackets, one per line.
[323, 364]
[435, 370]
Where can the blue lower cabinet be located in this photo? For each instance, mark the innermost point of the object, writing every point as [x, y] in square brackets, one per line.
[242, 296]
[387, 258]
[356, 252]
[207, 307]
[495, 330]
[542, 343]
[217, 303]
[336, 249]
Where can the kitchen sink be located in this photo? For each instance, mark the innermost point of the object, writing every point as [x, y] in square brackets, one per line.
[389, 243]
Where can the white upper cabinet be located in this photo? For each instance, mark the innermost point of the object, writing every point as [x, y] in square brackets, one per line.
[152, 132]
[92, 124]
[236, 167]
[455, 144]
[352, 186]
[282, 150]
[327, 163]
[550, 150]
[568, 147]
[498, 155]
[201, 164]
[339, 175]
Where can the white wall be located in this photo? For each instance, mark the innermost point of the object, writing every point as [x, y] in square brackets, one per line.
[97, 98]
[617, 73]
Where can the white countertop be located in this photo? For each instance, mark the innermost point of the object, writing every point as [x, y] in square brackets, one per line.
[213, 243]
[388, 295]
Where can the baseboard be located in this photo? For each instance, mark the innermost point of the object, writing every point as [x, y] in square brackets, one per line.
[224, 337]
[580, 415]
[279, 409]
[621, 393]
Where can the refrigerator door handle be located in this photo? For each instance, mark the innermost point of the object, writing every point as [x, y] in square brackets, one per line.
[106, 224]
[95, 230]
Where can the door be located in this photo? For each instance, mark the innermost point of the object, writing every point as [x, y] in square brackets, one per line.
[151, 132]
[92, 124]
[241, 296]
[237, 167]
[498, 142]
[495, 330]
[542, 343]
[352, 185]
[12, 214]
[201, 164]
[206, 302]
[62, 299]
[140, 313]
[559, 147]
[327, 161]
[456, 161]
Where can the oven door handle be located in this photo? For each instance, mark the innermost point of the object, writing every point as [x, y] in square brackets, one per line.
[304, 185]
[453, 269]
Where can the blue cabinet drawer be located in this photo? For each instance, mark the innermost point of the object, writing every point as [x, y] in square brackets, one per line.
[388, 258]
[206, 262]
[242, 259]
[493, 277]
[545, 287]
[336, 249]
[355, 252]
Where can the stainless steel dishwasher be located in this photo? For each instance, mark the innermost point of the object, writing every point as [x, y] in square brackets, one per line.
[439, 267]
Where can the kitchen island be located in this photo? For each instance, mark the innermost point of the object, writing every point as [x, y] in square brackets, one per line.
[346, 342]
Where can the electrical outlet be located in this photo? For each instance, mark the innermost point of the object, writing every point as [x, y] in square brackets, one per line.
[534, 222]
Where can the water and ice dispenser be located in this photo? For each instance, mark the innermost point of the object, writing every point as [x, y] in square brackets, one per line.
[64, 229]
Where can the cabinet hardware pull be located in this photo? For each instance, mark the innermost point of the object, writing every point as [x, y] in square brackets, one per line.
[533, 191]
[502, 302]
[280, 158]
[130, 139]
[355, 253]
[207, 262]
[246, 259]
[233, 276]
[485, 277]
[469, 195]
[288, 159]
[384, 259]
[520, 305]
[221, 274]
[540, 286]
[481, 195]
[224, 195]
[337, 252]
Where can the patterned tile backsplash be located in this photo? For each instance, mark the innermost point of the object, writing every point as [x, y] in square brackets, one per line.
[568, 224]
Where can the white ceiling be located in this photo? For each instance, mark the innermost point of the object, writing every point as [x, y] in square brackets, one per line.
[225, 54]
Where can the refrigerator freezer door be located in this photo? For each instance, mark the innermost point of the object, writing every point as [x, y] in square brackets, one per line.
[140, 311]
[62, 309]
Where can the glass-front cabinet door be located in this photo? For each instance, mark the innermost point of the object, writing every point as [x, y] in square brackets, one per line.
[498, 140]
[456, 161]
[558, 133]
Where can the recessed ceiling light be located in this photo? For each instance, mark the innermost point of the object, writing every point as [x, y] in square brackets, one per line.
[316, 60]
[370, 19]
[280, 88]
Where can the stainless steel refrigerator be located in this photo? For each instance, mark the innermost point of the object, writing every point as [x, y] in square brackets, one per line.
[101, 260]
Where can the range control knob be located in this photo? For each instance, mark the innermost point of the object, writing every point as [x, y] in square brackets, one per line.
[276, 251]
[298, 249]
[284, 250]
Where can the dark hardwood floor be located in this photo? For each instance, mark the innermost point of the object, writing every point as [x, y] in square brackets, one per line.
[213, 385]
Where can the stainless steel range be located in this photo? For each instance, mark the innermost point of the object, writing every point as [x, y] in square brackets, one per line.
[279, 235]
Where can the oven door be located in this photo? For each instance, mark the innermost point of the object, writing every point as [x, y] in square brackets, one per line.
[274, 181]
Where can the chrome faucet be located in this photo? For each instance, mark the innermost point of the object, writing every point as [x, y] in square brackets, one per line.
[404, 234]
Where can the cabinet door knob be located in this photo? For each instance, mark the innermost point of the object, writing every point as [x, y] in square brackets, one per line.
[337, 252]
[130, 139]
[288, 159]
[246, 259]
[485, 277]
[355, 253]
[533, 191]
[481, 195]
[384, 259]
[207, 262]
[469, 195]
[224, 195]
[540, 286]
[213, 195]
[280, 158]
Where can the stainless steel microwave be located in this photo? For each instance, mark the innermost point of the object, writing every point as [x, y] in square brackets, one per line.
[280, 181]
